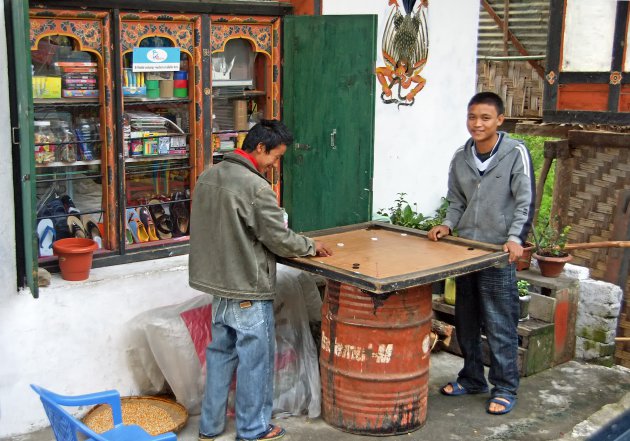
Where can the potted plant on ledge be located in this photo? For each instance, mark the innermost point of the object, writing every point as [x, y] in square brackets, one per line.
[523, 299]
[550, 241]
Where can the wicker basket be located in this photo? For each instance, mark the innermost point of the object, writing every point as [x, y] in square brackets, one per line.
[155, 415]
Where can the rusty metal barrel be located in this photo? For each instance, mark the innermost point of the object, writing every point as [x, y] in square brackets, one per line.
[374, 359]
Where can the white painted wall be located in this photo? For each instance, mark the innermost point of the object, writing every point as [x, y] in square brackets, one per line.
[74, 338]
[592, 54]
[414, 145]
[7, 228]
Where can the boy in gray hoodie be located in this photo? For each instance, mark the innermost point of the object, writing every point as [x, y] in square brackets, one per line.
[491, 194]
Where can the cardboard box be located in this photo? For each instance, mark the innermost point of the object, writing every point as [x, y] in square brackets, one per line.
[151, 146]
[46, 87]
[134, 91]
[88, 93]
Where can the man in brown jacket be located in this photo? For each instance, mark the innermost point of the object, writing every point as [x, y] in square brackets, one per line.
[236, 231]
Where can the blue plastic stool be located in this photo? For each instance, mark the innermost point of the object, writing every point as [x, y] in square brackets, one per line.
[66, 427]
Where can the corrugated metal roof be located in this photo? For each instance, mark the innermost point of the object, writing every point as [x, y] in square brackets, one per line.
[527, 20]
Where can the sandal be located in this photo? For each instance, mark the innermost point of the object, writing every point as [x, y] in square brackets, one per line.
[142, 232]
[77, 229]
[272, 433]
[458, 390]
[93, 232]
[179, 216]
[147, 220]
[507, 401]
[161, 219]
[46, 235]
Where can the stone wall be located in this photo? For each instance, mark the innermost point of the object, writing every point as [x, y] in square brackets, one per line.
[597, 314]
[596, 324]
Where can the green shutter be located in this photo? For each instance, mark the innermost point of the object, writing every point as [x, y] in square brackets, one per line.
[329, 103]
[24, 118]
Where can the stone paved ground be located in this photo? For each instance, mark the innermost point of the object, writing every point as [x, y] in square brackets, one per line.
[567, 402]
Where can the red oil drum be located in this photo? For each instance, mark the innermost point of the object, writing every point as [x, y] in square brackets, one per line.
[374, 359]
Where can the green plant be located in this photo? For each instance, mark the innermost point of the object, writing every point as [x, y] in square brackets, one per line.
[551, 238]
[523, 288]
[404, 215]
[536, 147]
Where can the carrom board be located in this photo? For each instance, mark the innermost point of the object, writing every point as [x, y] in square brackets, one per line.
[380, 257]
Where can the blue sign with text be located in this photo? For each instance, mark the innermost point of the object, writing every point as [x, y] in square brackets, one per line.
[155, 59]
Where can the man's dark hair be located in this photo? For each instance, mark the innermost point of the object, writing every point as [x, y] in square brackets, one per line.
[488, 98]
[270, 133]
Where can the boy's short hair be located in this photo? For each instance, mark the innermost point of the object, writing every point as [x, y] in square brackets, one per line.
[488, 98]
[270, 133]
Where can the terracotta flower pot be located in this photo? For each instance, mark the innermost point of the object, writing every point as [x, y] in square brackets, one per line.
[75, 257]
[551, 266]
[526, 259]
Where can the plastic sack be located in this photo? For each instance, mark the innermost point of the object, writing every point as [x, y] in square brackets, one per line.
[168, 344]
[297, 389]
[172, 345]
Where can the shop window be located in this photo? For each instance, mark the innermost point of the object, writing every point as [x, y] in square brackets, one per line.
[68, 143]
[156, 145]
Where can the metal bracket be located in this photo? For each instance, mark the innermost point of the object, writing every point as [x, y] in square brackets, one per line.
[299, 146]
[333, 139]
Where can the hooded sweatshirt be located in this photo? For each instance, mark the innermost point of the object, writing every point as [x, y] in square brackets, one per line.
[497, 205]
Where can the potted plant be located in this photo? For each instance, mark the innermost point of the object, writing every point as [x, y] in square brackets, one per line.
[525, 260]
[550, 241]
[523, 299]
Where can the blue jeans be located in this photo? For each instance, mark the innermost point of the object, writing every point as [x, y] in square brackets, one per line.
[243, 338]
[488, 300]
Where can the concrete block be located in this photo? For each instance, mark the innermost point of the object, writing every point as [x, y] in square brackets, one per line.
[596, 295]
[596, 335]
[593, 325]
[576, 272]
[605, 310]
[589, 349]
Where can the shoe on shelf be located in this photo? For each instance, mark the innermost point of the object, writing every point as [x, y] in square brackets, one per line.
[133, 227]
[128, 235]
[93, 232]
[164, 228]
[179, 215]
[143, 236]
[55, 210]
[147, 221]
[68, 204]
[46, 235]
[161, 219]
[77, 229]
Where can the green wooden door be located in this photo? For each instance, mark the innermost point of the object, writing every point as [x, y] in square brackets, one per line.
[22, 121]
[328, 96]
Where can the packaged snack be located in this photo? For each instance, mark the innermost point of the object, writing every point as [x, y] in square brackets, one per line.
[45, 143]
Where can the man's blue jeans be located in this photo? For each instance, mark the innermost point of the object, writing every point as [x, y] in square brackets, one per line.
[488, 300]
[243, 338]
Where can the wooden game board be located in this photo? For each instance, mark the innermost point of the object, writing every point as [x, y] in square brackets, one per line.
[380, 257]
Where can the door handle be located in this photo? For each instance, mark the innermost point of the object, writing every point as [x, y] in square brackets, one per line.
[333, 139]
[299, 146]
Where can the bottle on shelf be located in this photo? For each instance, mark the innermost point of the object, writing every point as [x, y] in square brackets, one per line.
[85, 137]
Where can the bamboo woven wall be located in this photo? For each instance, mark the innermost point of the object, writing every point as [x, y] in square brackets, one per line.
[589, 192]
[516, 82]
